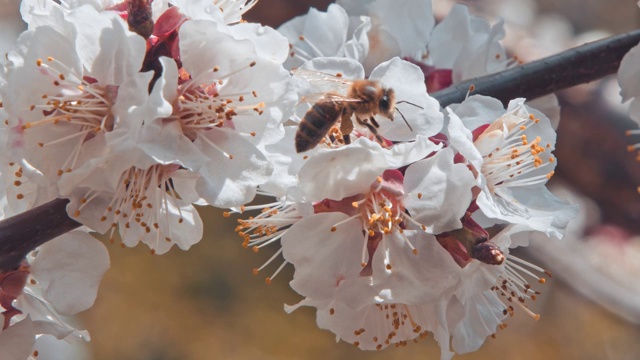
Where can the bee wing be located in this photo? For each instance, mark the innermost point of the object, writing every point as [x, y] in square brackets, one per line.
[323, 82]
[326, 97]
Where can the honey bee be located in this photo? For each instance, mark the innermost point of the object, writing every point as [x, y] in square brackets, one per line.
[364, 99]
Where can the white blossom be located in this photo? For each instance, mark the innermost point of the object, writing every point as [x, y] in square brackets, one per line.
[400, 28]
[223, 114]
[467, 45]
[340, 37]
[511, 152]
[64, 106]
[473, 304]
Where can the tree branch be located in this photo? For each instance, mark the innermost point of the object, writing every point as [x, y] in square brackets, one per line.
[572, 67]
[22, 233]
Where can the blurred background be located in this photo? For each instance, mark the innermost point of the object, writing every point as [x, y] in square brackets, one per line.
[206, 304]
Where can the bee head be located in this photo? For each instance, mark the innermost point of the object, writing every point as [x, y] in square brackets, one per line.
[386, 105]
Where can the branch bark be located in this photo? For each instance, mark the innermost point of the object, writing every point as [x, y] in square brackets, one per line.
[22, 233]
[572, 67]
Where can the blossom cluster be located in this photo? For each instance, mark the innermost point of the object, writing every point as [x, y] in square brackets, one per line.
[383, 202]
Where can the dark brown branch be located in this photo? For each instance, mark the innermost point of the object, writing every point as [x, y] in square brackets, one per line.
[545, 76]
[24, 232]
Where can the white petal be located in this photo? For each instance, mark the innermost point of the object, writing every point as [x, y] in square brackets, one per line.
[41, 43]
[449, 36]
[17, 341]
[357, 47]
[536, 208]
[547, 105]
[445, 188]
[69, 269]
[109, 51]
[204, 45]
[416, 278]
[232, 182]
[407, 81]
[409, 21]
[405, 153]
[174, 222]
[324, 260]
[326, 43]
[338, 173]
[629, 74]
[287, 163]
[199, 10]
[269, 43]
[478, 110]
[461, 139]
[483, 314]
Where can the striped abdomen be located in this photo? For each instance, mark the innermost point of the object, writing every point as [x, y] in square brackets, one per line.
[316, 123]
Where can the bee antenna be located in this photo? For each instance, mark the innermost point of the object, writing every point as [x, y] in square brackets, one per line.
[405, 120]
[410, 103]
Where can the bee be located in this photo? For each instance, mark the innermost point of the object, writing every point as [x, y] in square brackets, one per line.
[364, 99]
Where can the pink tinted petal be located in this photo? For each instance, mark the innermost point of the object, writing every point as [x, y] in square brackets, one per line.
[168, 21]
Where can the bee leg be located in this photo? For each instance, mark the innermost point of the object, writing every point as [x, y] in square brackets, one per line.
[372, 129]
[346, 126]
[374, 122]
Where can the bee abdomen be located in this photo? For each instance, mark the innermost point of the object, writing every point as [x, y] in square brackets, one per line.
[316, 123]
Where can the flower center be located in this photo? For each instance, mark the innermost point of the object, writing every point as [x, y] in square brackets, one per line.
[81, 108]
[514, 161]
[205, 102]
[380, 213]
[141, 198]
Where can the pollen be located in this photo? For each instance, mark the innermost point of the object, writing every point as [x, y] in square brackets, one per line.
[510, 164]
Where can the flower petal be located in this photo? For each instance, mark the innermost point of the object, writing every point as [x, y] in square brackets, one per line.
[70, 269]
